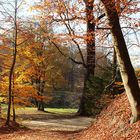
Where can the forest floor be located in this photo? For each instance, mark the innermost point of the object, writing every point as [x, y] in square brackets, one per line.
[111, 124]
[40, 125]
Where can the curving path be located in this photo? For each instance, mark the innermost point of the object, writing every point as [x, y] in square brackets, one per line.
[48, 126]
[56, 122]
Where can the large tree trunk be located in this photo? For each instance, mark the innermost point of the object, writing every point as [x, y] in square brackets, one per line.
[126, 69]
[84, 109]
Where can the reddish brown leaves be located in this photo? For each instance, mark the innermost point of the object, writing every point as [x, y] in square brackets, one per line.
[113, 123]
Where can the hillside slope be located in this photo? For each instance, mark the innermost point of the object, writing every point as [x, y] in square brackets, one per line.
[113, 123]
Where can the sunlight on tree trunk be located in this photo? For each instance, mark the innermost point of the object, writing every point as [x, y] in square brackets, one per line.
[126, 68]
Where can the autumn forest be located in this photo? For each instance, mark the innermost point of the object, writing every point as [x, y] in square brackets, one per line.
[69, 69]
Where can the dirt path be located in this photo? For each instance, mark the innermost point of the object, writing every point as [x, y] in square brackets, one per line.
[55, 122]
[48, 126]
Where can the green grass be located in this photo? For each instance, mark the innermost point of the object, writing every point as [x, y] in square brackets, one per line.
[61, 110]
[33, 110]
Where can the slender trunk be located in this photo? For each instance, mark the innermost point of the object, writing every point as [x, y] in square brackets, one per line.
[41, 90]
[126, 69]
[38, 92]
[84, 109]
[13, 102]
[0, 111]
[13, 105]
[12, 67]
[10, 95]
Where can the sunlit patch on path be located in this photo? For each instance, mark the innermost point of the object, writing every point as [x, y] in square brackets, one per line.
[63, 124]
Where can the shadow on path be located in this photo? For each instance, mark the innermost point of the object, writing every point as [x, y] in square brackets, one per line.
[55, 122]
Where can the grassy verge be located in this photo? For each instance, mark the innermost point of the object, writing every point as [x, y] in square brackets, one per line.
[33, 110]
[61, 110]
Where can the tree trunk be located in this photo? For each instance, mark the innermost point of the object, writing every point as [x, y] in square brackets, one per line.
[0, 111]
[41, 105]
[13, 105]
[12, 67]
[13, 102]
[84, 109]
[41, 85]
[126, 69]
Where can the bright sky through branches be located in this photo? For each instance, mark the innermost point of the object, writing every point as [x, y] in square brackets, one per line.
[26, 13]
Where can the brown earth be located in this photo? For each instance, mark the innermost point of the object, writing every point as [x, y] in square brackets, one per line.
[45, 126]
[111, 124]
